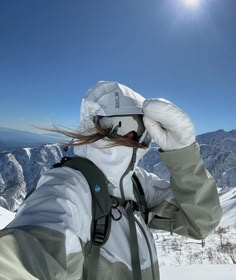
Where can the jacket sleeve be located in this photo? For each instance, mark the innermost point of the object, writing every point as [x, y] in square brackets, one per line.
[187, 205]
[44, 240]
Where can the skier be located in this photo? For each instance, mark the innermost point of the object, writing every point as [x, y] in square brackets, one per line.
[49, 236]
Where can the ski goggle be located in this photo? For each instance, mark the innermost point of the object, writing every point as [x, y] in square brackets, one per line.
[122, 125]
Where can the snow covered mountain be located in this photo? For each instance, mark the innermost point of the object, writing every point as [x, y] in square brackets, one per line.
[21, 168]
[218, 151]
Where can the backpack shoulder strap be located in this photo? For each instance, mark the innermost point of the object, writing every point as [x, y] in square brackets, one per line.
[101, 200]
[101, 211]
[97, 183]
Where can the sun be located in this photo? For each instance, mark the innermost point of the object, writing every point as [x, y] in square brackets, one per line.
[192, 3]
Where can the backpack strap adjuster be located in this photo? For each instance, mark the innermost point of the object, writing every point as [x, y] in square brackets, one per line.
[100, 230]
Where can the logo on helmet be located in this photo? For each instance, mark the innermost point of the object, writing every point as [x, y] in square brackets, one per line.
[117, 100]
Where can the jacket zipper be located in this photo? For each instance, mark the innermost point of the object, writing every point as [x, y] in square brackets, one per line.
[129, 168]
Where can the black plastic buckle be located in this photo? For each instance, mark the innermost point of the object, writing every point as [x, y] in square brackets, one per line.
[100, 231]
[98, 238]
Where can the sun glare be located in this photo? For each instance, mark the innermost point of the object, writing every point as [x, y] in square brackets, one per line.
[192, 3]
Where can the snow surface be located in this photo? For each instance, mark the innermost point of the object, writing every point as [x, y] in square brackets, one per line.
[5, 217]
[28, 152]
[228, 204]
[197, 272]
[174, 250]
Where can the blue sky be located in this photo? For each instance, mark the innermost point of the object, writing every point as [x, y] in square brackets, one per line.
[52, 52]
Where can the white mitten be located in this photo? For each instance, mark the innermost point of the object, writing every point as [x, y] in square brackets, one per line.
[167, 124]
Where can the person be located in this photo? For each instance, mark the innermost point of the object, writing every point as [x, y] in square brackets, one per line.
[48, 237]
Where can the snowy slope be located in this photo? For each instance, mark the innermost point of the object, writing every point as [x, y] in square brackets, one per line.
[228, 203]
[197, 272]
[218, 248]
[5, 217]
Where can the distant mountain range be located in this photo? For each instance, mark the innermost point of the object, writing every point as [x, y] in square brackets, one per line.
[21, 167]
[10, 139]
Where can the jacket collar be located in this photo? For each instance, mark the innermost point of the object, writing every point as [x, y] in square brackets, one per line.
[114, 162]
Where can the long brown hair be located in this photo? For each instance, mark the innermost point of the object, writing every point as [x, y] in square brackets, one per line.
[92, 135]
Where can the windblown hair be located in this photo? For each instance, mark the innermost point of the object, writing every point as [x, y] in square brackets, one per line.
[92, 135]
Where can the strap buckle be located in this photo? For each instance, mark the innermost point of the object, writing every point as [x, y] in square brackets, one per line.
[101, 229]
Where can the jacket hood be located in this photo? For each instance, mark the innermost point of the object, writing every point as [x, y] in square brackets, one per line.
[111, 99]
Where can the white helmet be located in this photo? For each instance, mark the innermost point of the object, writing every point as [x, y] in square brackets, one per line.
[114, 106]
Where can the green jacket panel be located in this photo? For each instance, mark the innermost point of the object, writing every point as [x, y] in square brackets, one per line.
[37, 253]
[197, 210]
